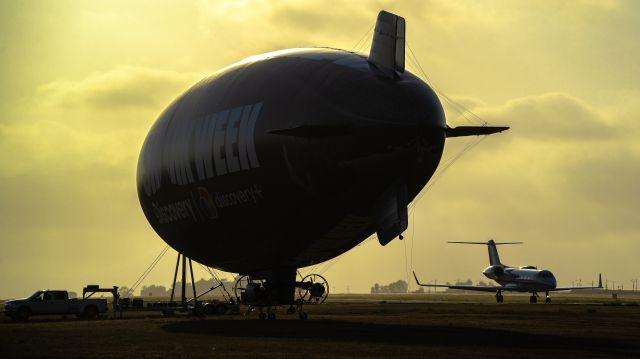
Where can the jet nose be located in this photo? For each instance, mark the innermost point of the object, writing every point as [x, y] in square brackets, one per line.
[547, 277]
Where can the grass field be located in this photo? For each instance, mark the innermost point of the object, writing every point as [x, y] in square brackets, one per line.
[363, 326]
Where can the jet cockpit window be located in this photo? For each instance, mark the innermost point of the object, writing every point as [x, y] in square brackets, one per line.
[545, 274]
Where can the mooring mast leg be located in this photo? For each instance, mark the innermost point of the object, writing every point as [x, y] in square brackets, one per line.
[193, 284]
[184, 281]
[175, 275]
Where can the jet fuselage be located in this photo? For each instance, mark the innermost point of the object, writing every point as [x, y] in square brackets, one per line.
[526, 279]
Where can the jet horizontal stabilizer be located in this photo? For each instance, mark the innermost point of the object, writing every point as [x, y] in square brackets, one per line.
[462, 131]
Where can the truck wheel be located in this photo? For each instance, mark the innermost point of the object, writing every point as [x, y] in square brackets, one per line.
[198, 311]
[90, 312]
[209, 309]
[22, 314]
[221, 308]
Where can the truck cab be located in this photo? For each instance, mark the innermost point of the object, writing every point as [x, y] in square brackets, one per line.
[49, 302]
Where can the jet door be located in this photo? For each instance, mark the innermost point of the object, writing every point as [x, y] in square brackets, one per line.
[390, 213]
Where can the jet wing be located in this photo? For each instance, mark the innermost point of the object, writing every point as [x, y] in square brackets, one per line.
[572, 288]
[578, 288]
[463, 287]
[461, 131]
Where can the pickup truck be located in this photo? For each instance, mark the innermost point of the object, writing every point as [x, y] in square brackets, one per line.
[52, 302]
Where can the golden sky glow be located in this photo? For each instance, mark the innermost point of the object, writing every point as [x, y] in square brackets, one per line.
[82, 81]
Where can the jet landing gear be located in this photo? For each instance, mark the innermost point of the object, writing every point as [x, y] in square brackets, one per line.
[547, 300]
[499, 297]
[533, 299]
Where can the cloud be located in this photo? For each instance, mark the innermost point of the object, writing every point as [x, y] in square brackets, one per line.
[550, 116]
[561, 163]
[121, 87]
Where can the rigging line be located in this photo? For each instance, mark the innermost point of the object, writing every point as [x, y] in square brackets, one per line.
[362, 38]
[436, 174]
[406, 262]
[455, 106]
[328, 264]
[212, 272]
[459, 107]
[413, 231]
[444, 165]
[465, 150]
[366, 41]
[325, 264]
[436, 177]
[336, 259]
[146, 272]
[310, 270]
[450, 163]
[363, 46]
[216, 277]
[462, 109]
[207, 269]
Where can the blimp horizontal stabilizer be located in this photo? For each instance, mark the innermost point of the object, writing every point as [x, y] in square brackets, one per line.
[461, 131]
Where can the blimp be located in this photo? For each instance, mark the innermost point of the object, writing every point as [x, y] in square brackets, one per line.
[291, 158]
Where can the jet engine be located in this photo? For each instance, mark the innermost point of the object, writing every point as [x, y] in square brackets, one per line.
[493, 271]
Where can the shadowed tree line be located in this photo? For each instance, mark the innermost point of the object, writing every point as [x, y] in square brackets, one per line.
[401, 286]
[161, 291]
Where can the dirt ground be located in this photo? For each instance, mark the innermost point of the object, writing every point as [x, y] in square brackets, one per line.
[363, 326]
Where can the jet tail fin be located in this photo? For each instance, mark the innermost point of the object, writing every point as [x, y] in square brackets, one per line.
[494, 258]
[387, 48]
[599, 280]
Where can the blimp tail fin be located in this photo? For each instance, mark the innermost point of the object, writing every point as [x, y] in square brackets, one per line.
[387, 48]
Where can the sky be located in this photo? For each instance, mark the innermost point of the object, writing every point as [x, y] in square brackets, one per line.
[81, 82]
